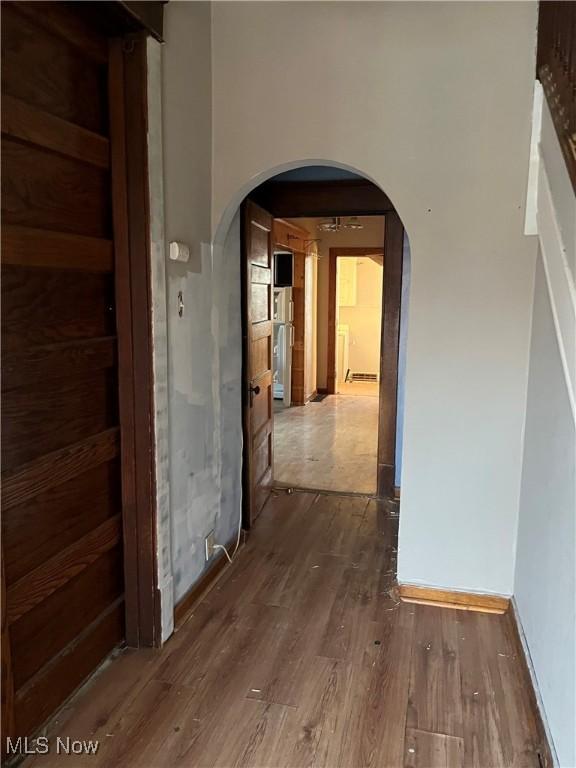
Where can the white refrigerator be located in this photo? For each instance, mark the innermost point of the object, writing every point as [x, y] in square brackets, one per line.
[283, 341]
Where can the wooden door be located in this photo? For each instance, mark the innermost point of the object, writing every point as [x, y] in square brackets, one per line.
[61, 460]
[298, 351]
[289, 236]
[257, 258]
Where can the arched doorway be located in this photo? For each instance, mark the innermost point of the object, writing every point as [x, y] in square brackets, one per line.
[307, 189]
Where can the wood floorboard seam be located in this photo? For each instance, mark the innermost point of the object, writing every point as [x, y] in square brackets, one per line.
[296, 658]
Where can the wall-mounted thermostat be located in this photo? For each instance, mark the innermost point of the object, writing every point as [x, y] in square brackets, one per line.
[179, 251]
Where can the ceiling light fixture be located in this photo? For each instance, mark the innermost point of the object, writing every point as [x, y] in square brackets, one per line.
[335, 224]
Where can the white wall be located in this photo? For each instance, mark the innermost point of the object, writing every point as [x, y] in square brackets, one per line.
[433, 102]
[545, 568]
[545, 582]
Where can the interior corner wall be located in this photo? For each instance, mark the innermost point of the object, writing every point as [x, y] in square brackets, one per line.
[364, 83]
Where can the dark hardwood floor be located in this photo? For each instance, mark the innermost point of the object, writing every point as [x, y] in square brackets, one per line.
[301, 655]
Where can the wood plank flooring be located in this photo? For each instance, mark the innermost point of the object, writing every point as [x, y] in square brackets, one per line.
[301, 655]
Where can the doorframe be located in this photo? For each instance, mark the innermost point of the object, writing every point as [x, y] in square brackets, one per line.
[389, 342]
[389, 349]
[128, 102]
[341, 198]
[334, 254]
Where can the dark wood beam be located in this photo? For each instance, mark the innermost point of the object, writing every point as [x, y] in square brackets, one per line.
[393, 254]
[292, 199]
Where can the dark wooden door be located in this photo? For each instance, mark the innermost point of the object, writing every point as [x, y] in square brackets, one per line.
[61, 464]
[257, 258]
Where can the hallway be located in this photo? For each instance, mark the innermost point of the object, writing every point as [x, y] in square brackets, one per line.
[329, 445]
[300, 655]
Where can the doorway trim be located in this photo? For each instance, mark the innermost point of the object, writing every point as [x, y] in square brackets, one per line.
[389, 342]
[131, 214]
[334, 255]
[340, 198]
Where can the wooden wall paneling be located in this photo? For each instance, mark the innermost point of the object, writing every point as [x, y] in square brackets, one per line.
[27, 123]
[29, 247]
[393, 249]
[110, 17]
[60, 413]
[59, 516]
[75, 332]
[49, 471]
[45, 692]
[36, 586]
[76, 356]
[50, 414]
[7, 678]
[44, 69]
[50, 191]
[75, 305]
[103, 579]
[63, 21]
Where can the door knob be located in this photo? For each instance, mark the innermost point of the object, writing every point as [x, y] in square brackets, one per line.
[253, 391]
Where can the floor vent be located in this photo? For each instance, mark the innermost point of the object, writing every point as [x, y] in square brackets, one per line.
[364, 377]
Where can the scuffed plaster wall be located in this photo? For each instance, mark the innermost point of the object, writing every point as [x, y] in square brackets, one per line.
[205, 344]
[227, 325]
[205, 408]
[205, 442]
[194, 446]
[159, 337]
